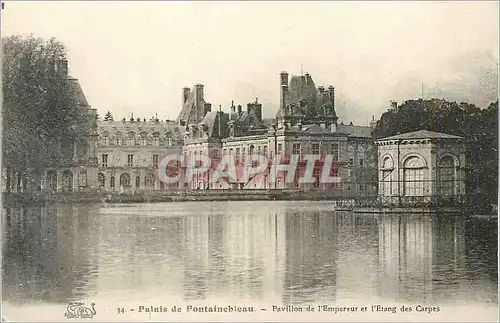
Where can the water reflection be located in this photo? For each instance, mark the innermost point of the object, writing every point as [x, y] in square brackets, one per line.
[49, 254]
[293, 252]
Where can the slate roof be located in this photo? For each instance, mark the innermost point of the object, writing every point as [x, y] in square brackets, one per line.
[77, 88]
[355, 131]
[422, 134]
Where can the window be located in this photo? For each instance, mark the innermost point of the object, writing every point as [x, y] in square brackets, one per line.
[360, 162]
[118, 140]
[162, 185]
[156, 141]
[155, 161]
[413, 176]
[315, 149]
[265, 150]
[237, 156]
[82, 177]
[130, 160]
[258, 150]
[351, 161]
[125, 180]
[296, 148]
[169, 142]
[316, 176]
[131, 141]
[149, 181]
[335, 151]
[224, 151]
[386, 182]
[252, 149]
[446, 173]
[112, 182]
[138, 181]
[104, 160]
[101, 180]
[142, 140]
[105, 141]
[280, 148]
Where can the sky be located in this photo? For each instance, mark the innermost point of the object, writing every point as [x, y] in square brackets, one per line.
[135, 57]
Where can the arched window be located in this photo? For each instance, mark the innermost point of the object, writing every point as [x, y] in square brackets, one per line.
[156, 139]
[446, 176]
[101, 179]
[149, 181]
[413, 176]
[252, 149]
[386, 180]
[143, 139]
[131, 139]
[125, 180]
[118, 139]
[112, 182]
[67, 181]
[52, 179]
[105, 139]
[82, 177]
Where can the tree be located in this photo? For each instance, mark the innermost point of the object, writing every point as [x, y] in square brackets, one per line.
[40, 116]
[478, 126]
[108, 116]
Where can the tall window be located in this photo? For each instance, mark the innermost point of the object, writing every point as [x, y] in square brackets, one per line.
[413, 176]
[149, 181]
[335, 151]
[130, 160]
[446, 173]
[112, 182]
[131, 139]
[104, 160]
[156, 139]
[386, 180]
[118, 139]
[265, 150]
[125, 180]
[155, 161]
[142, 140]
[361, 162]
[296, 148]
[315, 149]
[82, 177]
[252, 149]
[280, 148]
[105, 141]
[101, 179]
[138, 181]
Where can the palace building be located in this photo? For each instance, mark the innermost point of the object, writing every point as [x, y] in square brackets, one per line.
[306, 123]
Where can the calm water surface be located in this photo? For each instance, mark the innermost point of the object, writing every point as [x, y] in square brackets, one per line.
[245, 254]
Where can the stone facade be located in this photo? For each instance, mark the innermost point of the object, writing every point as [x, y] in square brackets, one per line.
[129, 153]
[421, 164]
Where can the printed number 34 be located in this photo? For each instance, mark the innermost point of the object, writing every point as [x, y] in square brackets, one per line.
[121, 310]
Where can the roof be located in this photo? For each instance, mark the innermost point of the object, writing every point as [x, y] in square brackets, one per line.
[355, 131]
[77, 88]
[422, 134]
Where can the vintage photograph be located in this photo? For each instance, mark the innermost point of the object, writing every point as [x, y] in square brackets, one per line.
[249, 161]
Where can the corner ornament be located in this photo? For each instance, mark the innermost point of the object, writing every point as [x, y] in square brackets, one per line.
[78, 310]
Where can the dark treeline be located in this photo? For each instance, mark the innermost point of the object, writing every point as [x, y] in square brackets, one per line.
[478, 126]
[41, 119]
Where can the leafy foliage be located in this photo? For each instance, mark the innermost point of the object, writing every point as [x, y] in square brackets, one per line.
[40, 118]
[478, 126]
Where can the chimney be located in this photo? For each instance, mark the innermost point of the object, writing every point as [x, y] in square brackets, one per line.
[321, 89]
[283, 89]
[185, 94]
[331, 94]
[239, 110]
[308, 78]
